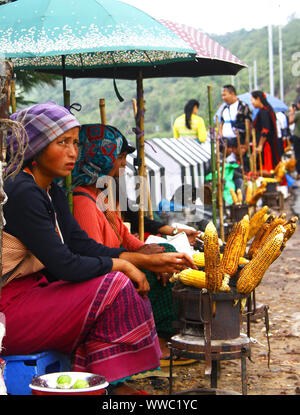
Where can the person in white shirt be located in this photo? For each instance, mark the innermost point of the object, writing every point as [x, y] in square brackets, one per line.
[234, 115]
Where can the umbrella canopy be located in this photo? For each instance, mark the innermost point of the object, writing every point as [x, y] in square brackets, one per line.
[90, 33]
[276, 104]
[106, 39]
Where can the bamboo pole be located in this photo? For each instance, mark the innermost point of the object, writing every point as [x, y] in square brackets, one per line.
[148, 195]
[220, 192]
[254, 151]
[260, 164]
[213, 156]
[102, 110]
[141, 150]
[241, 157]
[249, 151]
[134, 107]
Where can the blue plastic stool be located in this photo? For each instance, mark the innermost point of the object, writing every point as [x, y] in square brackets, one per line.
[21, 369]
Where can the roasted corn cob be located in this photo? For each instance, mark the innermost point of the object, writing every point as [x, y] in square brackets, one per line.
[252, 274]
[257, 220]
[234, 246]
[239, 195]
[249, 192]
[291, 164]
[213, 269]
[234, 196]
[269, 230]
[280, 171]
[200, 261]
[191, 277]
[256, 241]
[289, 231]
[258, 194]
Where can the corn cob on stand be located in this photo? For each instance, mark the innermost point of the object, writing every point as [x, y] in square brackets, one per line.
[212, 299]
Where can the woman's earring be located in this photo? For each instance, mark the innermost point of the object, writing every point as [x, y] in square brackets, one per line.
[34, 163]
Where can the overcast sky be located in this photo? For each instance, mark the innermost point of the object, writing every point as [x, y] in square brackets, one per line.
[221, 16]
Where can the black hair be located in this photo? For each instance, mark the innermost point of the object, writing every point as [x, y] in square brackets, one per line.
[230, 88]
[188, 110]
[262, 96]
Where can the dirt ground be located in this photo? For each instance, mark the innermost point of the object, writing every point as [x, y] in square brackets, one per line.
[280, 290]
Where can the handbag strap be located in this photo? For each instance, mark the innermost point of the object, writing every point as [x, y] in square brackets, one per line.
[84, 194]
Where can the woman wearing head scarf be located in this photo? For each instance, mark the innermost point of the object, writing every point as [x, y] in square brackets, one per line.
[89, 300]
[102, 158]
[190, 124]
[266, 131]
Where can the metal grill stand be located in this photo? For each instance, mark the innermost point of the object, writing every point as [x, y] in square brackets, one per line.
[209, 327]
[274, 200]
[253, 312]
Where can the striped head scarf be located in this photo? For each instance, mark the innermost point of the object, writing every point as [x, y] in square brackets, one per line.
[43, 124]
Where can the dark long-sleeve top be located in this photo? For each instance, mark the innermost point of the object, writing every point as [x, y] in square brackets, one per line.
[30, 216]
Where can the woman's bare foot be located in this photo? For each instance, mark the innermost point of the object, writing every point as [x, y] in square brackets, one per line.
[164, 348]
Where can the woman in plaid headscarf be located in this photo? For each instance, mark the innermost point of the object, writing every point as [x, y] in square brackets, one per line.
[102, 158]
[89, 300]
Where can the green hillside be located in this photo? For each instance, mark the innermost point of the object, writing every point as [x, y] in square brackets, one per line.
[165, 98]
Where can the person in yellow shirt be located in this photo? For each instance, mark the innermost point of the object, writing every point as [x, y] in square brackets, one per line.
[190, 124]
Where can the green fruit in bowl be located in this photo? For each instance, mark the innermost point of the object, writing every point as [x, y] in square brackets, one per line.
[64, 381]
[80, 384]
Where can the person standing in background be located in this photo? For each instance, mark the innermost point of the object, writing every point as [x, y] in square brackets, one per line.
[266, 131]
[294, 118]
[234, 115]
[282, 129]
[190, 124]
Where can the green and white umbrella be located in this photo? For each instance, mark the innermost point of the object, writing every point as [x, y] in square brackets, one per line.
[89, 34]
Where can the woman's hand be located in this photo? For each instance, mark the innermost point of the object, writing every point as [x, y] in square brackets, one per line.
[149, 249]
[134, 274]
[169, 262]
[259, 149]
[191, 234]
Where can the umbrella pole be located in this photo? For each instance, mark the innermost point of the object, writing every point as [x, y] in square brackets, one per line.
[213, 156]
[134, 108]
[140, 150]
[220, 190]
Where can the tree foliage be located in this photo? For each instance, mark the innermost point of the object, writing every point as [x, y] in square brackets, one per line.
[165, 98]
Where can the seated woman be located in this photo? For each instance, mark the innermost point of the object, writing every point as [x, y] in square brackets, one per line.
[89, 300]
[102, 153]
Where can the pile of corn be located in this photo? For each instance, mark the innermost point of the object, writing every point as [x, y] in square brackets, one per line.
[270, 234]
